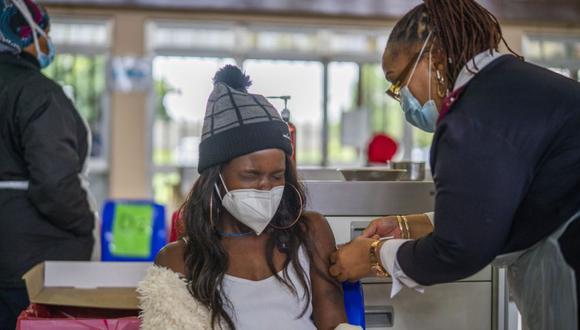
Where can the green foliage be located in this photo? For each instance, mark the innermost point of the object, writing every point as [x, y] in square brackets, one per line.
[86, 74]
[162, 89]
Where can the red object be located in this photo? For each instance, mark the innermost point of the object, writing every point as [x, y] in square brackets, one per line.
[44, 317]
[292, 129]
[176, 227]
[381, 149]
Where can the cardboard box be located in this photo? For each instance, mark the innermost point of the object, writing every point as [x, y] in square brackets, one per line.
[86, 284]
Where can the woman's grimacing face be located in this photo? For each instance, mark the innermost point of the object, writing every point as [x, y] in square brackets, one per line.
[261, 170]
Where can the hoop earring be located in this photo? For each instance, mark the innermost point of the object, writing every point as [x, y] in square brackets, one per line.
[212, 223]
[441, 92]
[299, 214]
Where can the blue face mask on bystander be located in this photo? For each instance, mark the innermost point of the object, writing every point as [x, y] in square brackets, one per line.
[423, 116]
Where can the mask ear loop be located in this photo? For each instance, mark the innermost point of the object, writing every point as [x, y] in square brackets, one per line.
[419, 58]
[430, 69]
[217, 189]
[299, 214]
[224, 183]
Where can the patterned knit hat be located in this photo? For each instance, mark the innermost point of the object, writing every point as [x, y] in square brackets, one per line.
[15, 33]
[238, 123]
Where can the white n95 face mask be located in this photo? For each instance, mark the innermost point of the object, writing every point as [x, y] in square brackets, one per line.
[254, 208]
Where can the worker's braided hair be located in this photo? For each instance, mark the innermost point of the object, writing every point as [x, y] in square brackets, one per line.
[461, 29]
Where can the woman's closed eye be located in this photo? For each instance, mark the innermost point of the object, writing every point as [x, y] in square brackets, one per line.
[250, 175]
[278, 176]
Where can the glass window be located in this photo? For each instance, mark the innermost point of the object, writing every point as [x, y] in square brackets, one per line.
[342, 95]
[83, 80]
[280, 40]
[81, 67]
[532, 48]
[576, 50]
[302, 80]
[72, 32]
[552, 47]
[182, 85]
[553, 50]
[186, 36]
[386, 114]
[351, 43]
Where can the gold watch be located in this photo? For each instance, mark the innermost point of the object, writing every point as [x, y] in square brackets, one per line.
[376, 266]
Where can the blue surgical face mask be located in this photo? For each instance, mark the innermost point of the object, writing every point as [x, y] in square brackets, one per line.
[46, 59]
[423, 116]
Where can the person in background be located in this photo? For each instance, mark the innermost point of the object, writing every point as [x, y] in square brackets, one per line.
[45, 212]
[250, 257]
[506, 165]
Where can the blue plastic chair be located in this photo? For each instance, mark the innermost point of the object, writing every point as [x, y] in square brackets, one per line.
[132, 230]
[354, 303]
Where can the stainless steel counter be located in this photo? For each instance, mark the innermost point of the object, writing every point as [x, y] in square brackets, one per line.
[356, 198]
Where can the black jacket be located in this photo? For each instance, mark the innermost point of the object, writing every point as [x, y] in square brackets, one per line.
[43, 140]
[506, 165]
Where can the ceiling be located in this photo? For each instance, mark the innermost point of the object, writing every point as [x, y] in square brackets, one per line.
[548, 11]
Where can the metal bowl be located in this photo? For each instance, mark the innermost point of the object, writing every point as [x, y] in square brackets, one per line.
[415, 171]
[371, 174]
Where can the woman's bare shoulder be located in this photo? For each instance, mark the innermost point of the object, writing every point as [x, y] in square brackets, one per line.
[318, 226]
[172, 257]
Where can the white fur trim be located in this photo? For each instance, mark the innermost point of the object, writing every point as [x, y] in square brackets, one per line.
[167, 304]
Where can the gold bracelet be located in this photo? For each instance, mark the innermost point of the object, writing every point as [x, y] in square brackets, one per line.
[407, 227]
[374, 258]
[400, 221]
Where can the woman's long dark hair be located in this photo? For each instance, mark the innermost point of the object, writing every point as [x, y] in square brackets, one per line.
[206, 260]
[461, 29]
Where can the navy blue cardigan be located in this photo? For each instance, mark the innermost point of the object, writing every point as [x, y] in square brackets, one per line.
[506, 165]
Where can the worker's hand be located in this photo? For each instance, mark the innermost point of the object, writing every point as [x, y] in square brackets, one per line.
[383, 227]
[352, 261]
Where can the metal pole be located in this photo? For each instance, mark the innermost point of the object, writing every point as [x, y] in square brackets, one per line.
[325, 138]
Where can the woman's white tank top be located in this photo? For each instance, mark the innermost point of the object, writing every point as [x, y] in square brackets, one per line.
[269, 304]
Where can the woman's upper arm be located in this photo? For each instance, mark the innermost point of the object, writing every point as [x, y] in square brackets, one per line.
[171, 257]
[327, 295]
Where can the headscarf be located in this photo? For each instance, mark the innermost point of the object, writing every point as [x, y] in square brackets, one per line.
[15, 33]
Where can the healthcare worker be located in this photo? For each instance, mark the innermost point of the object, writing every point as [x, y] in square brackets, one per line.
[44, 209]
[506, 165]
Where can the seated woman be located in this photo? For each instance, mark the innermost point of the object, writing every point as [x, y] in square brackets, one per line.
[250, 258]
